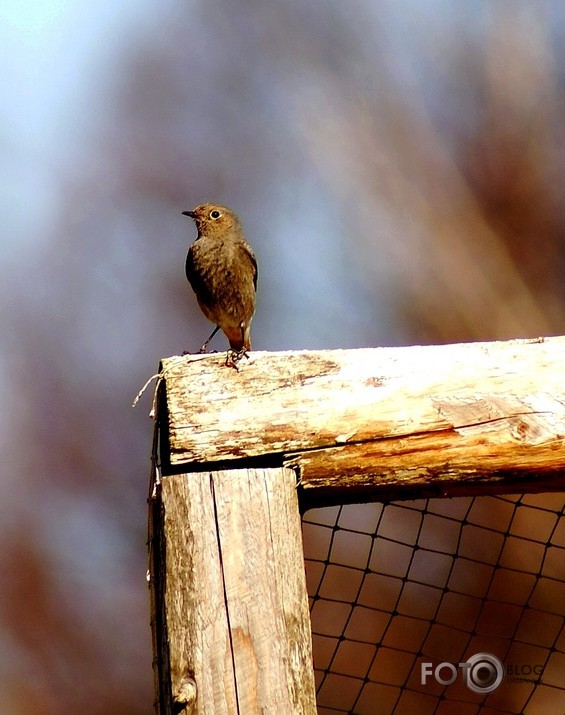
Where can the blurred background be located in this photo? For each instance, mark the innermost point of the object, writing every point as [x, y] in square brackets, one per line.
[399, 169]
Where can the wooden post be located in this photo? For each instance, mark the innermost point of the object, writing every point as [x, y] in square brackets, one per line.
[238, 452]
[230, 616]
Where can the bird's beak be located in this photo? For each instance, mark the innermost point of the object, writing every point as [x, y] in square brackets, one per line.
[189, 213]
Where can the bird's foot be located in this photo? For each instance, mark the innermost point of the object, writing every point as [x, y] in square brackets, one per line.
[204, 349]
[234, 356]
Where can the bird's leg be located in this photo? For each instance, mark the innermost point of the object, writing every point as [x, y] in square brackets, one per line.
[234, 356]
[204, 348]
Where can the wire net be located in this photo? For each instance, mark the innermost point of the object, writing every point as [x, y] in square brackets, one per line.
[395, 587]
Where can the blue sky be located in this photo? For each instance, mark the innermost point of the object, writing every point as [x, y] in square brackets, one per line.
[51, 52]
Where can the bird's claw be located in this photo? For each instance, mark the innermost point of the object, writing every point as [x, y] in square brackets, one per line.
[234, 356]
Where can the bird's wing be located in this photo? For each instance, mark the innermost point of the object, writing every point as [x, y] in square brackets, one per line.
[251, 255]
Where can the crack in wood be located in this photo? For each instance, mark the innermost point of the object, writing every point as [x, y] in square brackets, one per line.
[224, 587]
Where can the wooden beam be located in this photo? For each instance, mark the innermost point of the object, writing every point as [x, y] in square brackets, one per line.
[377, 423]
[230, 614]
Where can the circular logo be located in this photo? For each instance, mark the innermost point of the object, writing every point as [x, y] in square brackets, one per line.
[484, 673]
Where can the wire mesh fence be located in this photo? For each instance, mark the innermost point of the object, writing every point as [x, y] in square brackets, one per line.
[413, 602]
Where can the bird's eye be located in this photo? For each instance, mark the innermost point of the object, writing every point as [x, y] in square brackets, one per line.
[215, 214]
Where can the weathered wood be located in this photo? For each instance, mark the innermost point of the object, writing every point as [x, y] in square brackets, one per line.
[379, 423]
[230, 609]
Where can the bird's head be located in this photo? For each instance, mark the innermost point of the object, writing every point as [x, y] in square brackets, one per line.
[213, 219]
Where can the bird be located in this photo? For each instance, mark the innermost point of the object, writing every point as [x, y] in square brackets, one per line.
[221, 268]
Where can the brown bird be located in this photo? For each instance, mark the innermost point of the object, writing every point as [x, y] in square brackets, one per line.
[222, 270]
